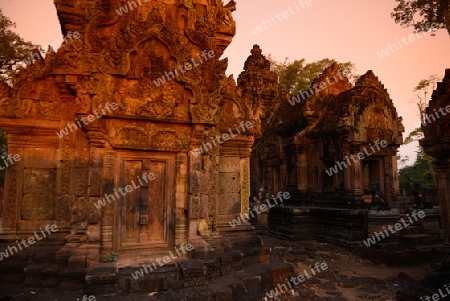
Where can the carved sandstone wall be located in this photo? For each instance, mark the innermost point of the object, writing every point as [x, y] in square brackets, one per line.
[436, 143]
[326, 126]
[121, 59]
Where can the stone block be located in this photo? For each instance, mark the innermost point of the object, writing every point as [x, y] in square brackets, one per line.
[253, 284]
[170, 281]
[229, 182]
[229, 165]
[192, 268]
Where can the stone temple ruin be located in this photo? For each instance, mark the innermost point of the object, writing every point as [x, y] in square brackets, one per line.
[335, 152]
[436, 144]
[145, 127]
[134, 143]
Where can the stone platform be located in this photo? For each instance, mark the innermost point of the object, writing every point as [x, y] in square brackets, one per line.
[345, 227]
[351, 227]
[236, 274]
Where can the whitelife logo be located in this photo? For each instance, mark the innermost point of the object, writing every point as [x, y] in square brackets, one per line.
[12, 159]
[260, 208]
[184, 68]
[11, 250]
[283, 287]
[391, 48]
[90, 119]
[111, 197]
[281, 17]
[205, 145]
[430, 118]
[361, 156]
[323, 85]
[371, 240]
[436, 297]
[165, 260]
[124, 9]
[86, 298]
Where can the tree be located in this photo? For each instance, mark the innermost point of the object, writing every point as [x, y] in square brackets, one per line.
[425, 86]
[418, 172]
[421, 14]
[297, 76]
[13, 49]
[422, 170]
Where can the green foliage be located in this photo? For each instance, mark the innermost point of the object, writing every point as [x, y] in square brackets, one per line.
[298, 75]
[112, 257]
[13, 49]
[423, 84]
[418, 172]
[420, 14]
[421, 170]
[424, 87]
[415, 135]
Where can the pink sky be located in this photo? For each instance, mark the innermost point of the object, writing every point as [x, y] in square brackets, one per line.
[348, 30]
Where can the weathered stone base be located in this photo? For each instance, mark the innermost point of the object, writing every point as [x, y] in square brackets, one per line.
[236, 275]
[344, 227]
[350, 227]
[232, 266]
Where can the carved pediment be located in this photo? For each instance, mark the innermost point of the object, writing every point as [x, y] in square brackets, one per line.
[148, 136]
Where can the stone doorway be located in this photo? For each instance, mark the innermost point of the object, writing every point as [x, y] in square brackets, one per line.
[373, 171]
[145, 214]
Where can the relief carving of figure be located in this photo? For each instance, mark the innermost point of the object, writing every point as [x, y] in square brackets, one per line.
[5, 93]
[400, 126]
[230, 7]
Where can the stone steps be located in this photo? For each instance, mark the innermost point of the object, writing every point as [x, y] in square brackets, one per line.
[246, 285]
[243, 285]
[29, 265]
[234, 274]
[249, 284]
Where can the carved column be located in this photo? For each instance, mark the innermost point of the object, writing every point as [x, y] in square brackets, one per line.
[181, 198]
[101, 182]
[107, 228]
[82, 205]
[357, 172]
[443, 176]
[10, 208]
[234, 178]
[302, 168]
[194, 185]
[347, 172]
[96, 167]
[245, 184]
[388, 177]
[395, 182]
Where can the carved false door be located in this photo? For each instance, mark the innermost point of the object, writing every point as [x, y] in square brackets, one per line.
[145, 208]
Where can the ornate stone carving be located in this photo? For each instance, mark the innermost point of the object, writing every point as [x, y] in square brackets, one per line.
[38, 199]
[325, 129]
[436, 143]
[163, 113]
[245, 184]
[11, 196]
[230, 164]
